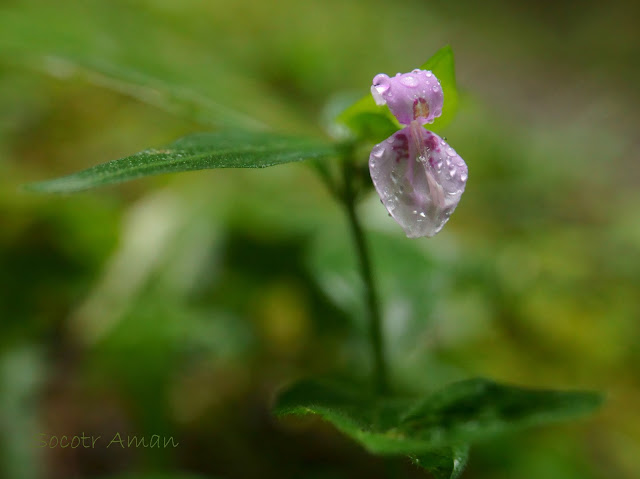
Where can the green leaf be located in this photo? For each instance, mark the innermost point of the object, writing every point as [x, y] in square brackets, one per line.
[372, 421]
[434, 431]
[479, 408]
[225, 149]
[376, 123]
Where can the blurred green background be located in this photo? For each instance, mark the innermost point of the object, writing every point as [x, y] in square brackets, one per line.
[177, 305]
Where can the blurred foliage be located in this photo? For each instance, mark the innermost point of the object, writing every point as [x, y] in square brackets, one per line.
[177, 305]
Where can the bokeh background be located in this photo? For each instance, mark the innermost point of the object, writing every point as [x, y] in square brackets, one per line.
[177, 305]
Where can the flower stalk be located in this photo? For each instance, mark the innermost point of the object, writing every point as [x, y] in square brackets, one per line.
[380, 374]
[417, 175]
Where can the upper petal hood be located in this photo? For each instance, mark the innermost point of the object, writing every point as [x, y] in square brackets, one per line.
[414, 96]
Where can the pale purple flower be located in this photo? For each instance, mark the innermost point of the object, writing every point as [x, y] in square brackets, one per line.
[418, 176]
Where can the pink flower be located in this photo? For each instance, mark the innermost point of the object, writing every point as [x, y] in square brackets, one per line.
[418, 176]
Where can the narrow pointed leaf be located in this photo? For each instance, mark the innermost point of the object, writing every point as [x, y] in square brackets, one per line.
[368, 120]
[225, 149]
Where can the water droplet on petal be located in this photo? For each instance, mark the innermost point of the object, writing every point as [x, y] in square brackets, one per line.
[429, 74]
[463, 176]
[378, 151]
[451, 152]
[435, 89]
[409, 80]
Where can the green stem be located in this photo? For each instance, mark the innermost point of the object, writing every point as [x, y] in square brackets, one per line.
[371, 296]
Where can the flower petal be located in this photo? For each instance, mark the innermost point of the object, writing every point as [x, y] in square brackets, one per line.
[416, 95]
[419, 178]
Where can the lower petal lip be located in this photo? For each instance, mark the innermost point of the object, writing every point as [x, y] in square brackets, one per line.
[417, 194]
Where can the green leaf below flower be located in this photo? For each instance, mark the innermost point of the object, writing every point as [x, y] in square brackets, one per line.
[434, 431]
